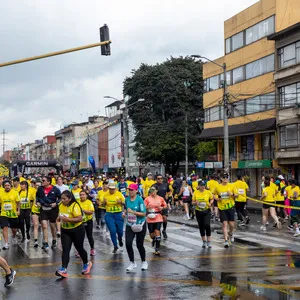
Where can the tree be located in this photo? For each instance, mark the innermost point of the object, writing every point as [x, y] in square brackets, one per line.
[203, 149]
[159, 121]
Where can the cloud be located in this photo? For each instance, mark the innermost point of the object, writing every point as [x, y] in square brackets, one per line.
[39, 97]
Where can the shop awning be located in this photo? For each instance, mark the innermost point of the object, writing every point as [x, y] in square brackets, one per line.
[240, 129]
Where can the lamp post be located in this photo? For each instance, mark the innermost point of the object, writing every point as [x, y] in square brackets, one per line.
[125, 126]
[225, 117]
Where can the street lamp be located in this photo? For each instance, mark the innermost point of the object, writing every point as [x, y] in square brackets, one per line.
[125, 124]
[225, 106]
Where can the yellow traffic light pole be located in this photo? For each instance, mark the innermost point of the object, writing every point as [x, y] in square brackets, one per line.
[19, 61]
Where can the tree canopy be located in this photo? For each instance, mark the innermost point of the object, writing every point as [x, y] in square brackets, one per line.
[171, 90]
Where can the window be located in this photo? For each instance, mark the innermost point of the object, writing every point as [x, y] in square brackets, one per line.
[247, 147]
[206, 115]
[289, 95]
[237, 75]
[228, 45]
[260, 103]
[239, 108]
[253, 105]
[289, 135]
[237, 41]
[212, 83]
[214, 113]
[268, 145]
[289, 55]
[260, 67]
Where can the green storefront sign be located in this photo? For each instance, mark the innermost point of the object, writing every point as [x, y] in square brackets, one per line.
[255, 164]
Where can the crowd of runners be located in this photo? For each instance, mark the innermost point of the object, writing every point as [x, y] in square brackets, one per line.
[70, 207]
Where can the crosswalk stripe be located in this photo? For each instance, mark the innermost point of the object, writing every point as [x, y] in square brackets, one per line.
[263, 242]
[33, 253]
[175, 247]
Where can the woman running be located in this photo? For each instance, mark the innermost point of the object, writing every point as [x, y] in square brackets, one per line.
[101, 206]
[72, 232]
[87, 207]
[26, 199]
[203, 200]
[114, 201]
[35, 215]
[154, 205]
[187, 193]
[135, 226]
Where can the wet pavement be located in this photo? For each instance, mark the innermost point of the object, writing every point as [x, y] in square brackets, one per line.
[183, 271]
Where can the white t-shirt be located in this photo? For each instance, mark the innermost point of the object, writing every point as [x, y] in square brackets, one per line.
[62, 188]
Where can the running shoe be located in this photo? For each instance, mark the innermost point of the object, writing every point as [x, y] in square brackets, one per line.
[93, 252]
[164, 234]
[263, 228]
[291, 227]
[242, 223]
[121, 243]
[77, 255]
[157, 252]
[144, 266]
[115, 249]
[36, 244]
[131, 267]
[28, 236]
[247, 220]
[231, 238]
[9, 279]
[279, 225]
[58, 235]
[297, 233]
[54, 244]
[6, 246]
[204, 244]
[98, 226]
[286, 217]
[45, 246]
[87, 268]
[209, 245]
[62, 272]
[267, 223]
[226, 244]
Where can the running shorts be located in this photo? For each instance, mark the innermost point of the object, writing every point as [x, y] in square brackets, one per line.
[227, 214]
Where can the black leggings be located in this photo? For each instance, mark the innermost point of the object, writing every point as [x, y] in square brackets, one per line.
[97, 213]
[73, 236]
[203, 219]
[241, 210]
[24, 218]
[89, 232]
[140, 237]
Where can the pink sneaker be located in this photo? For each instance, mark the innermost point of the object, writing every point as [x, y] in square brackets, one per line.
[93, 252]
[77, 254]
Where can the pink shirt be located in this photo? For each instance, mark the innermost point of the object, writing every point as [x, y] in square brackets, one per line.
[155, 203]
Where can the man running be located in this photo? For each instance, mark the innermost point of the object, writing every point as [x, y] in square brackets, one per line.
[241, 201]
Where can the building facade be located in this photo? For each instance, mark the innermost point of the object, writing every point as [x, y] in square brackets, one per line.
[250, 58]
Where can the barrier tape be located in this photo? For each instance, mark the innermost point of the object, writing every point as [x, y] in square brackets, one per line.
[274, 203]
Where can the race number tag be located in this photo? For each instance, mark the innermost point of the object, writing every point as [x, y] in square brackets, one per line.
[224, 195]
[7, 206]
[241, 191]
[202, 205]
[24, 200]
[131, 218]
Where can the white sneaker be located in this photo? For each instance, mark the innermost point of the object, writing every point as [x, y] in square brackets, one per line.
[263, 228]
[297, 233]
[144, 266]
[267, 223]
[131, 267]
[6, 246]
[231, 238]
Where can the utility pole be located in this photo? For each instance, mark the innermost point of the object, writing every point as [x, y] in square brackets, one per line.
[87, 145]
[126, 139]
[186, 145]
[225, 129]
[3, 141]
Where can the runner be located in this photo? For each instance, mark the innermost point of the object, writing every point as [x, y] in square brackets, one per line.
[87, 220]
[114, 201]
[268, 195]
[48, 197]
[16, 184]
[26, 198]
[241, 201]
[187, 193]
[76, 190]
[35, 215]
[9, 272]
[154, 204]
[163, 191]
[122, 186]
[10, 210]
[203, 199]
[135, 226]
[101, 207]
[225, 195]
[72, 232]
[147, 184]
[211, 185]
[294, 196]
[279, 198]
[93, 195]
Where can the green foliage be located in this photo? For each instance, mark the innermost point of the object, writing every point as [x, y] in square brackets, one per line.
[203, 149]
[171, 90]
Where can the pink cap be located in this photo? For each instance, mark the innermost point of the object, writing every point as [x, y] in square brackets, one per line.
[133, 186]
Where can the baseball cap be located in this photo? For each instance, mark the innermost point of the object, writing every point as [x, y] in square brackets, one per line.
[280, 177]
[149, 174]
[152, 189]
[133, 186]
[75, 182]
[112, 185]
[201, 183]
[225, 175]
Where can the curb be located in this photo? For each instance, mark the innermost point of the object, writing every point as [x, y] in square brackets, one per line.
[242, 241]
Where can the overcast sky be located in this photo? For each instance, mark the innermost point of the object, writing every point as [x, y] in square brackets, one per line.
[39, 97]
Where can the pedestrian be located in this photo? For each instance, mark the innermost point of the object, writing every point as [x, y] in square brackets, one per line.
[114, 201]
[135, 214]
[93, 195]
[101, 206]
[294, 196]
[186, 192]
[72, 232]
[203, 200]
[9, 272]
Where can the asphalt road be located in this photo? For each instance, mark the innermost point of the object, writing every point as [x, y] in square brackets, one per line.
[184, 270]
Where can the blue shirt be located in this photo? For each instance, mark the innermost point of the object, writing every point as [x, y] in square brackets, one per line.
[122, 186]
[137, 205]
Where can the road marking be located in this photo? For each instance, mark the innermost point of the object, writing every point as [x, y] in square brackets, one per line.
[32, 252]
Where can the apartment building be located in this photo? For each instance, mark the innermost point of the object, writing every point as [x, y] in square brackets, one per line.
[251, 59]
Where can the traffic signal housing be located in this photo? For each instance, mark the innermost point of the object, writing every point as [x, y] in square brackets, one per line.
[104, 36]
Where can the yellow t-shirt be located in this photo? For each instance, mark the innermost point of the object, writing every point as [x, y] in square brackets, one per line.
[241, 187]
[71, 211]
[9, 203]
[18, 189]
[194, 185]
[279, 196]
[86, 205]
[270, 194]
[100, 197]
[53, 181]
[76, 194]
[202, 199]
[226, 201]
[287, 191]
[147, 185]
[26, 199]
[111, 202]
[292, 191]
[212, 185]
[273, 186]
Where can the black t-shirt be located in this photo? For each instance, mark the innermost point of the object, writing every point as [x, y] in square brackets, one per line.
[162, 189]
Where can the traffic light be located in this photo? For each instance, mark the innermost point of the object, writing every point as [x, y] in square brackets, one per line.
[104, 36]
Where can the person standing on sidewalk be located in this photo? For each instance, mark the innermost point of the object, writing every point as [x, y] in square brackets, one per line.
[163, 191]
[203, 199]
[225, 195]
[241, 201]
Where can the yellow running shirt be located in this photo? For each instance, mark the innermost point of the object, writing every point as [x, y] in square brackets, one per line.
[76, 194]
[270, 197]
[226, 201]
[71, 211]
[242, 188]
[212, 185]
[100, 197]
[202, 199]
[111, 202]
[9, 203]
[26, 198]
[86, 205]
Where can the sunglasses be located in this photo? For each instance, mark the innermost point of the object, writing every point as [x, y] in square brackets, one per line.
[225, 177]
[159, 178]
[130, 190]
[44, 180]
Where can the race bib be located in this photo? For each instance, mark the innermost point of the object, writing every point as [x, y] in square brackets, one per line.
[202, 205]
[24, 200]
[131, 218]
[64, 215]
[123, 190]
[7, 206]
[241, 191]
[224, 195]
